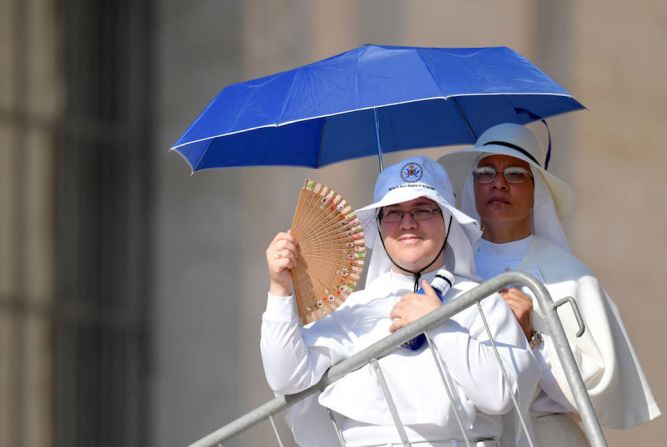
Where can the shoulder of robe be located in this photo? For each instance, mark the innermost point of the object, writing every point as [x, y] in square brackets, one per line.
[554, 263]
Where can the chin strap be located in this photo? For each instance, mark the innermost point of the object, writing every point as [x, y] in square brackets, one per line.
[416, 275]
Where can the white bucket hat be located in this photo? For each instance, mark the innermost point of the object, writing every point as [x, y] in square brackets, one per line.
[412, 178]
[553, 198]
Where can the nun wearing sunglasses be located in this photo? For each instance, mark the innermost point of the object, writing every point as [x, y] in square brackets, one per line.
[504, 183]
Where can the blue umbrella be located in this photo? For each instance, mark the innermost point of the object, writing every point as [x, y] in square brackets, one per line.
[370, 100]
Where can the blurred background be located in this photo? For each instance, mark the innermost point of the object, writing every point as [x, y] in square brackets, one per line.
[131, 292]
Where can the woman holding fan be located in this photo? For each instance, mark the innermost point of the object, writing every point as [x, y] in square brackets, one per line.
[414, 231]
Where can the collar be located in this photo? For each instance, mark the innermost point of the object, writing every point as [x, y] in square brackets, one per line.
[514, 248]
[391, 283]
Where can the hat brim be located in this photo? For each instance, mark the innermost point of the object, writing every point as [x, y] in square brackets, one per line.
[367, 214]
[459, 164]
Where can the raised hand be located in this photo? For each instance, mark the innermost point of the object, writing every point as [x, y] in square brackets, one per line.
[522, 307]
[281, 257]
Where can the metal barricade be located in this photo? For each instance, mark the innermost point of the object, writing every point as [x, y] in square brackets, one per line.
[385, 346]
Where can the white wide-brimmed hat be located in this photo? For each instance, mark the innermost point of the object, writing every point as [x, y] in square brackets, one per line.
[515, 141]
[553, 198]
[412, 178]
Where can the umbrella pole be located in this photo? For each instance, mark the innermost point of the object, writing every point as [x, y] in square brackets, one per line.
[377, 138]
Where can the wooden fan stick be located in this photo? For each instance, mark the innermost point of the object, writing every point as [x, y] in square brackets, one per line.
[339, 229]
[342, 243]
[331, 251]
[303, 203]
[339, 226]
[320, 224]
[316, 229]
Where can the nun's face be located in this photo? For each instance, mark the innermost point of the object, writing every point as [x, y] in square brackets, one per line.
[414, 243]
[505, 209]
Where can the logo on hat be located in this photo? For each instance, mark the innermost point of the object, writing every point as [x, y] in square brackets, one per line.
[412, 172]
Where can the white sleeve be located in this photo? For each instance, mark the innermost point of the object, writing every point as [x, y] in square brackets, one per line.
[467, 351]
[290, 364]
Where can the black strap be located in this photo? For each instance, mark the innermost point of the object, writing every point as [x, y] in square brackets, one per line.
[536, 117]
[415, 275]
[546, 162]
[515, 147]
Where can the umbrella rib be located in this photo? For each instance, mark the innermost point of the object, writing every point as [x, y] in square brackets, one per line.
[453, 98]
[428, 69]
[192, 168]
[297, 71]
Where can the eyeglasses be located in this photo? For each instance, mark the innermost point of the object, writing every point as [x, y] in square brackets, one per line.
[393, 216]
[512, 174]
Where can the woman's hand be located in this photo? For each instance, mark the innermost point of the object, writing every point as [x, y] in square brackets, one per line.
[280, 259]
[413, 306]
[522, 307]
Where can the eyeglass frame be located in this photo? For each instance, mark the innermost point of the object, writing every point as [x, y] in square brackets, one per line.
[516, 169]
[431, 212]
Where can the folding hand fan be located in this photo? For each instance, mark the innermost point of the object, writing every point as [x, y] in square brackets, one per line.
[331, 251]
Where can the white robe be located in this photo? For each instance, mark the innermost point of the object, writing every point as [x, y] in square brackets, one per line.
[296, 358]
[608, 364]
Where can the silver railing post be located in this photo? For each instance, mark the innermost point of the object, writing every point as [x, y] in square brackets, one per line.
[390, 403]
[443, 375]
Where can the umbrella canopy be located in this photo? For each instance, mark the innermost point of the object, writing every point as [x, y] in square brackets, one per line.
[368, 100]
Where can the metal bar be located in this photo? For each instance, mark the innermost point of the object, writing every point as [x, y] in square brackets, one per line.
[575, 309]
[388, 344]
[505, 376]
[584, 405]
[341, 441]
[439, 361]
[254, 417]
[275, 431]
[390, 402]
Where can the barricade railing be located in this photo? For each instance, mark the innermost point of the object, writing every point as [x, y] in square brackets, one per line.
[591, 425]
